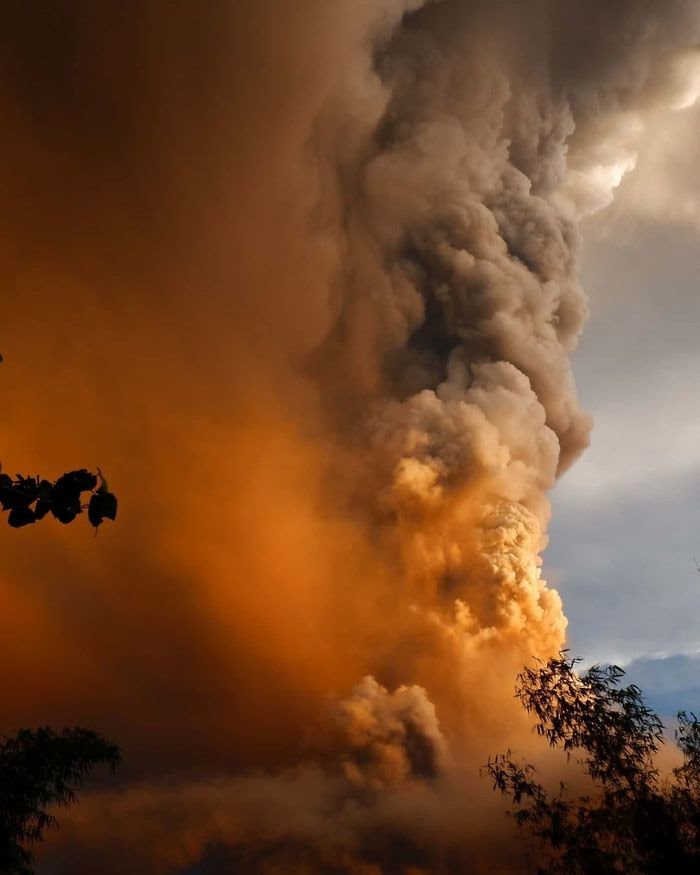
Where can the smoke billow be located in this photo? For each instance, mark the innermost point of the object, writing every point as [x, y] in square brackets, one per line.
[303, 279]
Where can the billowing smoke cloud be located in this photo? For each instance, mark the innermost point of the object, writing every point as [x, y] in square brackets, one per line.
[303, 281]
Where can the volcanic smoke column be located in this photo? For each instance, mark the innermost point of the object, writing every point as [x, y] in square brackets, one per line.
[458, 307]
[459, 161]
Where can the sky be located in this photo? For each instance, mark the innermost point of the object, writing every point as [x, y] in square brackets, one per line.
[625, 519]
[306, 281]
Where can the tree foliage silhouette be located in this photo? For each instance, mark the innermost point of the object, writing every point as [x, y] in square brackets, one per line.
[40, 769]
[29, 499]
[633, 820]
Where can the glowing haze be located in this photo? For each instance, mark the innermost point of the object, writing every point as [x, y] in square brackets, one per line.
[302, 278]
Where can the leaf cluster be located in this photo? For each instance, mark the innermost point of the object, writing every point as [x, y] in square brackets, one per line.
[41, 769]
[29, 499]
[632, 820]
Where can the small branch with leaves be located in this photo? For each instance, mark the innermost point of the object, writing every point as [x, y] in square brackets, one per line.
[29, 499]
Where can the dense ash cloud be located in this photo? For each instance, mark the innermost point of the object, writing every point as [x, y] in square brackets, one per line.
[303, 281]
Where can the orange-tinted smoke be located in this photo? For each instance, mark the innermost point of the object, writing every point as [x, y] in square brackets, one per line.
[228, 235]
[157, 300]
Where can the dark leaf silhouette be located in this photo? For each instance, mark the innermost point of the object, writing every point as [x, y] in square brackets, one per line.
[65, 513]
[103, 505]
[21, 516]
[42, 508]
[29, 499]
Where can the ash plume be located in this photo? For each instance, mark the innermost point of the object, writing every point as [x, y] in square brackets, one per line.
[305, 277]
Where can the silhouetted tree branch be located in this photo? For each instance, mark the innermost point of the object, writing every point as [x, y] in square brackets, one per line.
[40, 769]
[632, 821]
[29, 499]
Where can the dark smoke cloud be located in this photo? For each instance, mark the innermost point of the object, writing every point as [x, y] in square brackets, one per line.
[302, 278]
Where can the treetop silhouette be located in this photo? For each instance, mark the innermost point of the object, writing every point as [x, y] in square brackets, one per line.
[632, 820]
[40, 769]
